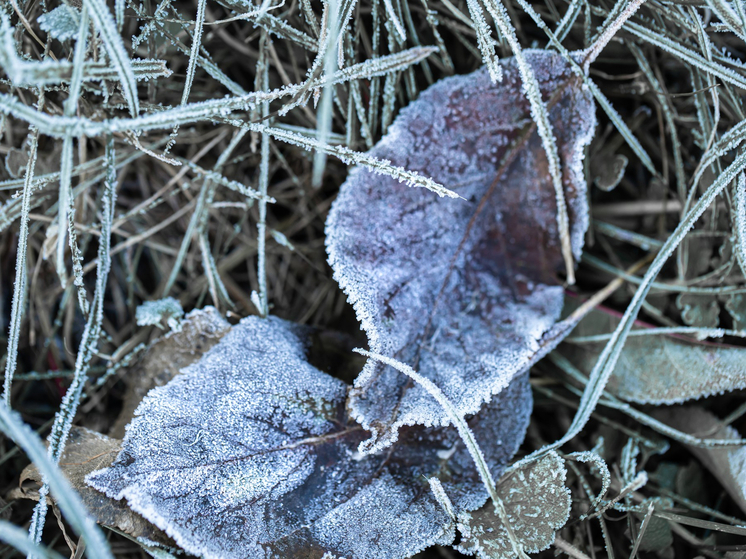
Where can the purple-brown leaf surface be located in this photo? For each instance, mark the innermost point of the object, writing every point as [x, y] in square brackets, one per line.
[249, 453]
[463, 290]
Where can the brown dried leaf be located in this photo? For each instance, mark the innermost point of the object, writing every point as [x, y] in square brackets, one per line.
[166, 356]
[85, 452]
[465, 289]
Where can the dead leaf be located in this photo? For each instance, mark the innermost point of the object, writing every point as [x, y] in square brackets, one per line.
[249, 453]
[684, 369]
[461, 289]
[166, 356]
[728, 465]
[85, 452]
[537, 503]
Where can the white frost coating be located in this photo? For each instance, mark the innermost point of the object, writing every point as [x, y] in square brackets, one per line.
[248, 453]
[62, 23]
[151, 313]
[739, 222]
[463, 291]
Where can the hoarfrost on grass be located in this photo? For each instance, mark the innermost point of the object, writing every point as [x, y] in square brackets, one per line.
[249, 452]
[461, 289]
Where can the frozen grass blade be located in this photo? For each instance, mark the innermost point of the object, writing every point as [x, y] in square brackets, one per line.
[318, 165]
[19, 287]
[107, 27]
[739, 222]
[686, 55]
[199, 24]
[325, 112]
[64, 417]
[485, 41]
[623, 10]
[68, 501]
[349, 156]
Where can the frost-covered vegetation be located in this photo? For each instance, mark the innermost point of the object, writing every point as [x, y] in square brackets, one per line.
[454, 274]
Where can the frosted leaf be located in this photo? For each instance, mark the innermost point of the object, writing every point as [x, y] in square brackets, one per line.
[62, 23]
[461, 289]
[151, 313]
[537, 503]
[684, 369]
[249, 453]
[728, 465]
[199, 331]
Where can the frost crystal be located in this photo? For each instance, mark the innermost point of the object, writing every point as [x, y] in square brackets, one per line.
[461, 289]
[153, 312]
[249, 453]
[62, 23]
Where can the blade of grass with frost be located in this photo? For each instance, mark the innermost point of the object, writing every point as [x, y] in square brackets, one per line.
[728, 16]
[66, 205]
[58, 126]
[739, 222]
[484, 40]
[67, 499]
[318, 166]
[64, 417]
[199, 24]
[687, 55]
[466, 436]
[541, 118]
[350, 157]
[608, 358]
[18, 539]
[610, 401]
[24, 73]
[106, 26]
[19, 287]
[567, 21]
[622, 127]
[325, 112]
[622, 11]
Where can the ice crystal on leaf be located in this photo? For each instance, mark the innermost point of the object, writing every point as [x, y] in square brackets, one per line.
[249, 453]
[464, 290]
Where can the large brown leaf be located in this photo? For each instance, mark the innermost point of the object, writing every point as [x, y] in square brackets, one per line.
[461, 289]
[249, 453]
